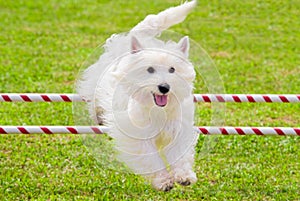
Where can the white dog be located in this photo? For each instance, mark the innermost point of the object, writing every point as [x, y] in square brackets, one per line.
[141, 88]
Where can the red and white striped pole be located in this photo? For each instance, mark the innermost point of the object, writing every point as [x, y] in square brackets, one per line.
[238, 98]
[281, 131]
[33, 97]
[251, 98]
[53, 129]
[205, 130]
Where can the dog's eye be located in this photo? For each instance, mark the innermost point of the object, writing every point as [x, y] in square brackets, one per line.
[151, 70]
[171, 70]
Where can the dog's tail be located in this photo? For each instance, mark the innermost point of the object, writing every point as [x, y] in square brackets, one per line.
[153, 25]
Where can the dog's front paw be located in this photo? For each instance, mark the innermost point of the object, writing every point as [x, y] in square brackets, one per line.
[163, 182]
[185, 178]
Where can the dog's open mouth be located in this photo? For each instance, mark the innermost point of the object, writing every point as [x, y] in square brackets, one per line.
[160, 100]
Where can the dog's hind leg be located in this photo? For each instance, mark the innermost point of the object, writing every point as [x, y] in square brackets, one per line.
[99, 115]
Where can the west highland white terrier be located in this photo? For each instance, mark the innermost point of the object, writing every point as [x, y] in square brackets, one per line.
[141, 88]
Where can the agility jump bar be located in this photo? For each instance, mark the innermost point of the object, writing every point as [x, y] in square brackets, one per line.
[237, 98]
[206, 130]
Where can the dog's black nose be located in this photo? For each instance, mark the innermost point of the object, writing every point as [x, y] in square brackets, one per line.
[164, 88]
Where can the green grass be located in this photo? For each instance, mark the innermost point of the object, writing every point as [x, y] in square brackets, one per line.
[255, 45]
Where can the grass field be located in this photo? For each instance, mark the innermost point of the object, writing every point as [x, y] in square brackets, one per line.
[255, 46]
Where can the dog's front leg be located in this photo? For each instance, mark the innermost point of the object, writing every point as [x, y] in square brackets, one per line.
[180, 156]
[143, 158]
[182, 170]
[162, 180]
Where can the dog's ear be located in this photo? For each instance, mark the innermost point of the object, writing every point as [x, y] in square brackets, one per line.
[135, 45]
[184, 46]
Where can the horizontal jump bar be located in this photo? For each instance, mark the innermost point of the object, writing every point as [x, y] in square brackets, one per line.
[238, 98]
[205, 130]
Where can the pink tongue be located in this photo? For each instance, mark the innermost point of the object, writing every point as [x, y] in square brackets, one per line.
[161, 100]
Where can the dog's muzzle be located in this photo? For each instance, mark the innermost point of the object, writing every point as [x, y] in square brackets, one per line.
[162, 100]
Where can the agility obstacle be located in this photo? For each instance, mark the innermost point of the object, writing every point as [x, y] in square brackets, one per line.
[206, 130]
[238, 98]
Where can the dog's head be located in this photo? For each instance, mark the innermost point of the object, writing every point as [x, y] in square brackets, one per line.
[159, 76]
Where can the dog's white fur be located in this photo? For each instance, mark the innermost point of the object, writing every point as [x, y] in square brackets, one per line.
[141, 87]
